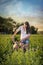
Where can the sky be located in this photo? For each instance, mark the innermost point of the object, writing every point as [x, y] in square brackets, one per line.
[23, 10]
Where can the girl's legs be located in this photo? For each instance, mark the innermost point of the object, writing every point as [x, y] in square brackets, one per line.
[22, 45]
[26, 46]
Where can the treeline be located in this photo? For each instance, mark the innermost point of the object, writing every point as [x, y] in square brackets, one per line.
[8, 26]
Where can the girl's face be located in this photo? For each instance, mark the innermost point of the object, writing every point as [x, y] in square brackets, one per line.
[25, 25]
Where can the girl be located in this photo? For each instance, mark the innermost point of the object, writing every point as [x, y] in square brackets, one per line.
[25, 35]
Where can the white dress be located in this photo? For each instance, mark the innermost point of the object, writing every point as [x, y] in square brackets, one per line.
[23, 32]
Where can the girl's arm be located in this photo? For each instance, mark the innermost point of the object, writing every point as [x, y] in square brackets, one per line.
[15, 34]
[27, 36]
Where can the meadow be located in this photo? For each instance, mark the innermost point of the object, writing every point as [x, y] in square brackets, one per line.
[33, 56]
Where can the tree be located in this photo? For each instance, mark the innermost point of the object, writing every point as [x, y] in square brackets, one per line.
[34, 30]
[6, 25]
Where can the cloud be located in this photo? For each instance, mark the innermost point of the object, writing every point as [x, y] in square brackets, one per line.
[17, 7]
[21, 12]
[11, 9]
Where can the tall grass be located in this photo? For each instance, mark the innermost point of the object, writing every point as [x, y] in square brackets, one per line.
[33, 56]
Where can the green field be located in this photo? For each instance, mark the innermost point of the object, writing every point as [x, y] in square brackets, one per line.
[32, 57]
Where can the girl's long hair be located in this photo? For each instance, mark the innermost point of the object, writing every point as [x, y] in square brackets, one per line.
[28, 29]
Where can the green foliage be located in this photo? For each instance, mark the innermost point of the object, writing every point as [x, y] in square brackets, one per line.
[6, 25]
[34, 30]
[33, 56]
